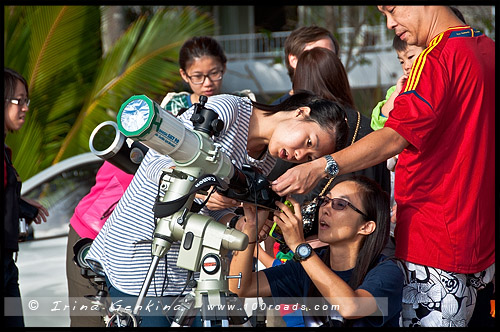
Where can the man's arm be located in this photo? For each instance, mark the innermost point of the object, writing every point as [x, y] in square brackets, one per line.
[370, 150]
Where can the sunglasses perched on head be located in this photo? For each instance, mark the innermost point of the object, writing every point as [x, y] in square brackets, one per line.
[339, 204]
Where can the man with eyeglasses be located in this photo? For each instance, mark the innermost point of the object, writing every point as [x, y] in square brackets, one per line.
[15, 115]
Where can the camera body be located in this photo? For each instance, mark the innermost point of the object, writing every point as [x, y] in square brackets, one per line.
[251, 186]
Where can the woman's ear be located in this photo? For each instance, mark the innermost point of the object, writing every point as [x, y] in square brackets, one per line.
[184, 75]
[303, 111]
[367, 228]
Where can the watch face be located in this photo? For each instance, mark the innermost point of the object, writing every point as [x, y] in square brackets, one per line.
[304, 251]
[331, 168]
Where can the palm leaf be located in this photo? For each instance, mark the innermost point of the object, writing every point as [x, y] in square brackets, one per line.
[142, 61]
[63, 50]
[58, 50]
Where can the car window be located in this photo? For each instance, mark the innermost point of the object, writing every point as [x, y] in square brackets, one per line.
[60, 195]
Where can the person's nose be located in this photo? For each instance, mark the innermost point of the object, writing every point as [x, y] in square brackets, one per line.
[207, 81]
[391, 24]
[300, 155]
[407, 67]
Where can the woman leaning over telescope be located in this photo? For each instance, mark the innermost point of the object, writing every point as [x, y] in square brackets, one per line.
[302, 128]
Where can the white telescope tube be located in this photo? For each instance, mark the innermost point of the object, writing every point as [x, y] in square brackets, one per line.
[142, 119]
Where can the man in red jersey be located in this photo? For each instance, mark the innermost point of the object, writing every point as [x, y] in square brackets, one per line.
[443, 127]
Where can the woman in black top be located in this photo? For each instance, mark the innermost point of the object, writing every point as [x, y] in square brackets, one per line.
[16, 104]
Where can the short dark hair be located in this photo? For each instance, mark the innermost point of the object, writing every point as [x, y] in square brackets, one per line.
[297, 40]
[197, 47]
[398, 44]
[458, 14]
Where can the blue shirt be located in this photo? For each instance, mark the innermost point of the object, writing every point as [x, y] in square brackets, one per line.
[384, 282]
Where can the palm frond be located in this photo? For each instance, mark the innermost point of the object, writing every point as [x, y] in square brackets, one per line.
[142, 61]
[63, 51]
[72, 88]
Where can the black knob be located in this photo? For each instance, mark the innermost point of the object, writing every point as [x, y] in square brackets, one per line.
[197, 118]
[203, 99]
[217, 125]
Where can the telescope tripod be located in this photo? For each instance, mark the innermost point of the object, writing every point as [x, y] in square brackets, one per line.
[217, 307]
[210, 297]
[204, 244]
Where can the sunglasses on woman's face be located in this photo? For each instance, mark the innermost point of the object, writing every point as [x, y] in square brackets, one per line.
[340, 204]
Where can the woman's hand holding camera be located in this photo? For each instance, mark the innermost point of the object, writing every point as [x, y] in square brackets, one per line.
[290, 222]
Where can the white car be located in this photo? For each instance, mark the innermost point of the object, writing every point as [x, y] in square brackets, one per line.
[42, 257]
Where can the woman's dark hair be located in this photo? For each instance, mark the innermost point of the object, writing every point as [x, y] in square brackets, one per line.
[327, 113]
[376, 205]
[320, 70]
[10, 81]
[198, 47]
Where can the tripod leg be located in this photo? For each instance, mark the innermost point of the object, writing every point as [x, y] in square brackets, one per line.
[146, 284]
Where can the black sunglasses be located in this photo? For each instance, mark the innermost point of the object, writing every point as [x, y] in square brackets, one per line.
[340, 204]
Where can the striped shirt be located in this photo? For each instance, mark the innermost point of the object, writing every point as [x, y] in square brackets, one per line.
[122, 249]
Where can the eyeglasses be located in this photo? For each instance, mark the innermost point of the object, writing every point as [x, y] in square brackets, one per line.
[19, 101]
[340, 204]
[200, 78]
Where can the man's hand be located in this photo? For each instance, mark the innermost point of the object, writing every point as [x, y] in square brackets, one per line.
[252, 216]
[300, 179]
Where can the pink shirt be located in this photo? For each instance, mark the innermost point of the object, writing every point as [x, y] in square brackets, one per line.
[93, 210]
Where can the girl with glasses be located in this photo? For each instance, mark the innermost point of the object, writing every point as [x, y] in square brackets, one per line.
[347, 284]
[16, 101]
[202, 64]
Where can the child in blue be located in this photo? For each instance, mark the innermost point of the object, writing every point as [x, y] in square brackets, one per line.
[351, 273]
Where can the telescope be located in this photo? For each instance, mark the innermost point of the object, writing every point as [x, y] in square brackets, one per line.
[200, 163]
[109, 144]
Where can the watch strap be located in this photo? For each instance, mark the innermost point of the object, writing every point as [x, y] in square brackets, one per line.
[233, 221]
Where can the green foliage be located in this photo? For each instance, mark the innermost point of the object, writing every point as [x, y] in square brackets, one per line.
[73, 87]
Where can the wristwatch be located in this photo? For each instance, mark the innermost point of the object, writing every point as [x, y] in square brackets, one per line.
[302, 252]
[332, 168]
[233, 221]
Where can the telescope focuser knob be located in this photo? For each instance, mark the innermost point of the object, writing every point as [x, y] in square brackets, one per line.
[203, 99]
[217, 126]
